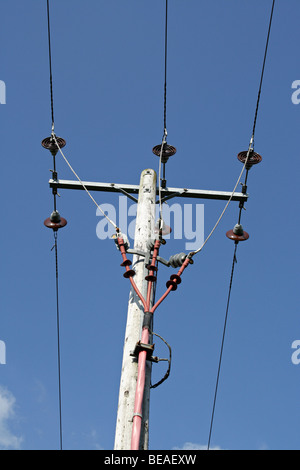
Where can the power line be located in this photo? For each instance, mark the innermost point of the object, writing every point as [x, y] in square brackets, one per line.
[50, 65]
[164, 139]
[263, 68]
[54, 144]
[222, 346]
[55, 219]
[234, 261]
[166, 64]
[58, 339]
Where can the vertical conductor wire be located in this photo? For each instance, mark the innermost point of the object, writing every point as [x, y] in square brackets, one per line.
[222, 347]
[166, 62]
[55, 241]
[240, 213]
[164, 141]
[58, 340]
[50, 65]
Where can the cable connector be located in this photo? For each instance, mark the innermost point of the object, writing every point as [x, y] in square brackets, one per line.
[147, 321]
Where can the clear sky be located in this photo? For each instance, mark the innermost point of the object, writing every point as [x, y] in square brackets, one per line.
[108, 71]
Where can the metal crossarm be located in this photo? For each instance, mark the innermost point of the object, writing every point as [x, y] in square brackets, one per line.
[166, 193]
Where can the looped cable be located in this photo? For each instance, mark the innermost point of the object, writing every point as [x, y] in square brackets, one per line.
[167, 374]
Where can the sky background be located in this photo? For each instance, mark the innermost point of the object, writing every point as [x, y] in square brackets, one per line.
[108, 71]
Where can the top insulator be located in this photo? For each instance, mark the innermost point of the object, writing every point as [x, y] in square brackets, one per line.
[167, 152]
[50, 144]
[253, 159]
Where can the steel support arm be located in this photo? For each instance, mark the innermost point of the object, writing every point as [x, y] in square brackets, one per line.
[166, 193]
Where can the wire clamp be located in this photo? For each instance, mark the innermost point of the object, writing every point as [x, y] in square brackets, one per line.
[148, 348]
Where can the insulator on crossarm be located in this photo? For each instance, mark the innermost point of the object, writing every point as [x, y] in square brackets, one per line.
[55, 221]
[237, 234]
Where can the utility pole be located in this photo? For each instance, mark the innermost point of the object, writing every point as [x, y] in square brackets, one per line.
[147, 193]
[144, 230]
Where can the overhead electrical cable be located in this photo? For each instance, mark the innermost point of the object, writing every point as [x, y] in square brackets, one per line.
[234, 261]
[55, 219]
[55, 222]
[50, 65]
[165, 134]
[58, 341]
[263, 69]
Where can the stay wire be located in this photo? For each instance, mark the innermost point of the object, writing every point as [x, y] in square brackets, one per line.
[58, 341]
[234, 261]
[83, 185]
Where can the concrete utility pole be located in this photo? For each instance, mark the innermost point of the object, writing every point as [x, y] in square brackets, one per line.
[143, 232]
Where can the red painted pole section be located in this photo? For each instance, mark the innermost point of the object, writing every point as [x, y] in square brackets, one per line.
[140, 386]
[139, 395]
[142, 357]
[137, 417]
[126, 264]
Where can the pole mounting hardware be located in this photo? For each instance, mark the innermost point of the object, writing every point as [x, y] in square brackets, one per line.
[149, 348]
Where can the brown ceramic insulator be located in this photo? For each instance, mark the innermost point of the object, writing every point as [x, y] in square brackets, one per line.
[237, 238]
[253, 159]
[168, 151]
[50, 144]
[55, 225]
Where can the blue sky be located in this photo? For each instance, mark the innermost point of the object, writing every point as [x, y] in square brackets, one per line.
[108, 62]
